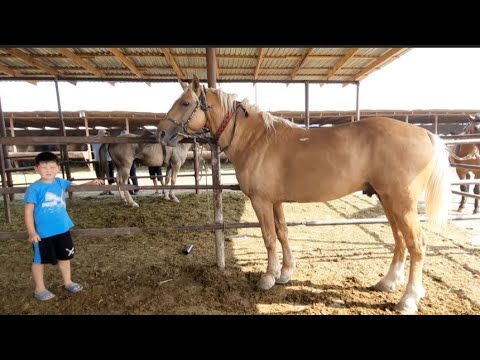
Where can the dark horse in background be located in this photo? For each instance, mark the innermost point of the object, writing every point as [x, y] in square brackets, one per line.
[276, 161]
[468, 154]
[148, 154]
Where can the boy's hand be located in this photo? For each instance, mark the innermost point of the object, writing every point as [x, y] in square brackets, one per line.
[34, 238]
[98, 182]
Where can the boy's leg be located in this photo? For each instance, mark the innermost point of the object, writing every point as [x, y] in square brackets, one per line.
[37, 274]
[64, 266]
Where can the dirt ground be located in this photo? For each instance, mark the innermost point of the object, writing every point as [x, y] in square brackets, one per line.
[148, 274]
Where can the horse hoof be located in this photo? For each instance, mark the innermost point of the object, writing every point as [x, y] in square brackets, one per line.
[135, 205]
[283, 279]
[174, 199]
[384, 286]
[266, 282]
[407, 307]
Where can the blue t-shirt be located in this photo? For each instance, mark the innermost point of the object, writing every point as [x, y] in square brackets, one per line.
[50, 212]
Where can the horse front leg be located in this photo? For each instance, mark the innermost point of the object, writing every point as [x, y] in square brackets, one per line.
[175, 169]
[288, 266]
[264, 211]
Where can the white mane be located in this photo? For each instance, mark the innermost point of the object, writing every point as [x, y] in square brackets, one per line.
[227, 101]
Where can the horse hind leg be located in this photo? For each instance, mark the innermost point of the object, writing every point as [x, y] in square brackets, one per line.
[396, 273]
[463, 188]
[281, 229]
[406, 217]
[476, 191]
[264, 212]
[122, 178]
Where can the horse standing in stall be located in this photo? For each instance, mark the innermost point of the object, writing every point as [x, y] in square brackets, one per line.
[468, 154]
[275, 161]
[149, 154]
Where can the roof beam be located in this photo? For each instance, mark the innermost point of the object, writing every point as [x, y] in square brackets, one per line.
[31, 61]
[341, 62]
[297, 69]
[126, 62]
[79, 61]
[14, 73]
[261, 54]
[374, 65]
[8, 71]
[173, 63]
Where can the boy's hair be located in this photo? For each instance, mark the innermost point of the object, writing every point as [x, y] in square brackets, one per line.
[46, 156]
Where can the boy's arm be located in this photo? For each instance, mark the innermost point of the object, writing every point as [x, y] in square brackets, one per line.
[30, 223]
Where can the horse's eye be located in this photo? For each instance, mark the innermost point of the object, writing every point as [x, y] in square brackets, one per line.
[185, 104]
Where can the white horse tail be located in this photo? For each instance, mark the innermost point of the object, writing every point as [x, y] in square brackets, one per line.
[438, 192]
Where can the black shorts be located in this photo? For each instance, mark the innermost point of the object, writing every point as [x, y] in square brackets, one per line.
[53, 248]
[155, 170]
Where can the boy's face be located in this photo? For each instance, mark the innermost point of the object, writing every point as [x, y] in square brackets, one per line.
[47, 170]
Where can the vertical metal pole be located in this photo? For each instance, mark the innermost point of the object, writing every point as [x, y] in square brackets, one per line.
[195, 163]
[6, 204]
[5, 162]
[63, 148]
[216, 177]
[89, 146]
[307, 111]
[358, 101]
[3, 166]
[436, 124]
[406, 118]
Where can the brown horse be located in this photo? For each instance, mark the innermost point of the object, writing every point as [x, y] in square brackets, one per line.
[276, 161]
[149, 154]
[468, 154]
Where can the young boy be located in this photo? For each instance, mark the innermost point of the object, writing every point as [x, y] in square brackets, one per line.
[48, 224]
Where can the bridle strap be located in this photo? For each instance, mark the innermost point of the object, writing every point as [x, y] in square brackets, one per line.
[201, 103]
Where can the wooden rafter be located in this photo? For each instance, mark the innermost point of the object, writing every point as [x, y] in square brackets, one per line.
[341, 62]
[121, 56]
[173, 63]
[31, 61]
[381, 60]
[79, 61]
[297, 69]
[261, 54]
[15, 73]
[8, 71]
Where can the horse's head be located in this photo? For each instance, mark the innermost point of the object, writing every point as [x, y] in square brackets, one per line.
[474, 126]
[187, 115]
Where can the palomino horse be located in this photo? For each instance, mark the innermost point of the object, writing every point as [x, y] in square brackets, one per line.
[468, 154]
[149, 154]
[275, 161]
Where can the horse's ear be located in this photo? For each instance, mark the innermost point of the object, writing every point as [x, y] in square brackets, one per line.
[196, 85]
[183, 84]
[470, 117]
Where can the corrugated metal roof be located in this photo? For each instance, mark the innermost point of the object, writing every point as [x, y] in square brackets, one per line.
[169, 64]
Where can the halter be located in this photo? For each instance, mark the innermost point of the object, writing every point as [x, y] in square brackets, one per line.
[225, 122]
[201, 103]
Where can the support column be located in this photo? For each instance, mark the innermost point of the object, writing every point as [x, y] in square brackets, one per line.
[63, 148]
[216, 172]
[307, 102]
[357, 108]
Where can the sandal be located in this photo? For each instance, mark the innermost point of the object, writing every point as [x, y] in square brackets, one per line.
[74, 287]
[44, 295]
